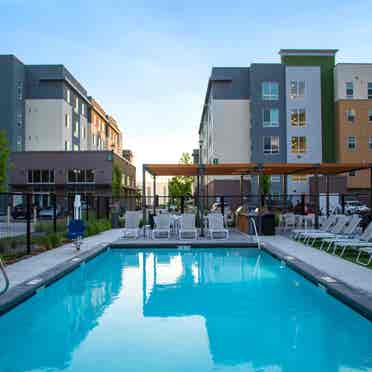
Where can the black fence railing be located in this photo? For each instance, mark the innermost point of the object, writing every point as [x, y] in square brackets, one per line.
[30, 222]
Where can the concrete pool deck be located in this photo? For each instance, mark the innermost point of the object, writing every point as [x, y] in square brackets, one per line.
[352, 274]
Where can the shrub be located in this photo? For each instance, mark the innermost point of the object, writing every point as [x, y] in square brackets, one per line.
[55, 240]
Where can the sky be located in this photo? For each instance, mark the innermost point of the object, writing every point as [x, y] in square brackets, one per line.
[148, 62]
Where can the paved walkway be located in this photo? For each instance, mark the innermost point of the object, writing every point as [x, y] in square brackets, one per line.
[35, 265]
[350, 273]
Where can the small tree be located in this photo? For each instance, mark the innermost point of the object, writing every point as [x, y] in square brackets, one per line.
[4, 156]
[117, 180]
[266, 184]
[180, 185]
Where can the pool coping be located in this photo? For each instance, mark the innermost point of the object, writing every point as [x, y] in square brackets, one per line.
[357, 299]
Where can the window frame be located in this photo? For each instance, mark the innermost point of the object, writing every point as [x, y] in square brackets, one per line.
[30, 176]
[270, 96]
[265, 124]
[84, 176]
[348, 117]
[299, 89]
[271, 152]
[369, 115]
[369, 90]
[349, 96]
[297, 112]
[348, 143]
[300, 149]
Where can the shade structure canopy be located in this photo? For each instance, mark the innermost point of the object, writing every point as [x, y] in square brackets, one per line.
[229, 169]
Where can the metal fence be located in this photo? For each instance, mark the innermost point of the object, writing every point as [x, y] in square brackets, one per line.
[30, 222]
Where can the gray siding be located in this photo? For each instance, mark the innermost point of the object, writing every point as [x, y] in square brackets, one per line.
[12, 72]
[230, 83]
[259, 74]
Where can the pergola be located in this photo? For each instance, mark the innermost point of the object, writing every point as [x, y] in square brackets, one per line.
[251, 169]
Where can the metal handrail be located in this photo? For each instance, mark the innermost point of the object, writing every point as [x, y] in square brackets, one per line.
[2, 269]
[253, 221]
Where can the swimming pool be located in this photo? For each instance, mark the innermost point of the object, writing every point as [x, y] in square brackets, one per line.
[184, 310]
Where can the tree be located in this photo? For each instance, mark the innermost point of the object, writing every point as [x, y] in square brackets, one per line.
[180, 185]
[4, 156]
[117, 177]
[266, 184]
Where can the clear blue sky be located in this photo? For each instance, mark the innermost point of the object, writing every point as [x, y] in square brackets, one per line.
[148, 62]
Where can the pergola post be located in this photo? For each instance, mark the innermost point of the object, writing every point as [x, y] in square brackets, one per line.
[154, 194]
[144, 195]
[201, 201]
[370, 186]
[316, 184]
[327, 194]
[241, 189]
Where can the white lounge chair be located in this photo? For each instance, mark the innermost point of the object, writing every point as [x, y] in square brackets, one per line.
[348, 232]
[354, 243]
[162, 226]
[216, 226]
[327, 224]
[187, 226]
[366, 250]
[132, 221]
[333, 231]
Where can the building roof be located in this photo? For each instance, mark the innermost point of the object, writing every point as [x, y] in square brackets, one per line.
[308, 52]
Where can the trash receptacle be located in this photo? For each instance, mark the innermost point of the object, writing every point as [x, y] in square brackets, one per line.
[267, 224]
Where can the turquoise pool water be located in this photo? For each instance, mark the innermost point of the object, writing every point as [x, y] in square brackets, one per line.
[198, 310]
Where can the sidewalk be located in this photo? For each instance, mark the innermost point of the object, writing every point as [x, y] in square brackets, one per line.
[352, 274]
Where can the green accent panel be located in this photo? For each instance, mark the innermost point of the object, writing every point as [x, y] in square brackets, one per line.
[327, 64]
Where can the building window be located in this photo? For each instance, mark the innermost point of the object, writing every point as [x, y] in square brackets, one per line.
[349, 90]
[270, 118]
[19, 119]
[369, 143]
[67, 146]
[40, 176]
[82, 109]
[19, 91]
[270, 91]
[271, 144]
[76, 129]
[299, 178]
[351, 143]
[80, 176]
[275, 179]
[68, 95]
[369, 90]
[297, 89]
[370, 115]
[298, 118]
[350, 115]
[298, 145]
[76, 104]
[19, 143]
[67, 120]
[76, 147]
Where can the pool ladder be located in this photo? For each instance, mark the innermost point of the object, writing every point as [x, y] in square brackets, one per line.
[253, 222]
[3, 271]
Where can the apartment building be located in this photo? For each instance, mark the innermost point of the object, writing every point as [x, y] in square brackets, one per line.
[45, 109]
[224, 129]
[281, 118]
[353, 105]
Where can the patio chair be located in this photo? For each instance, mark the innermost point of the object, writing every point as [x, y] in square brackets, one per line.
[349, 232]
[354, 243]
[366, 250]
[132, 221]
[336, 229]
[187, 226]
[289, 221]
[162, 226]
[327, 224]
[216, 226]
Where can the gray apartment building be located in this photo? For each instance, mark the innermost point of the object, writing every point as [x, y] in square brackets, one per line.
[46, 115]
[265, 113]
